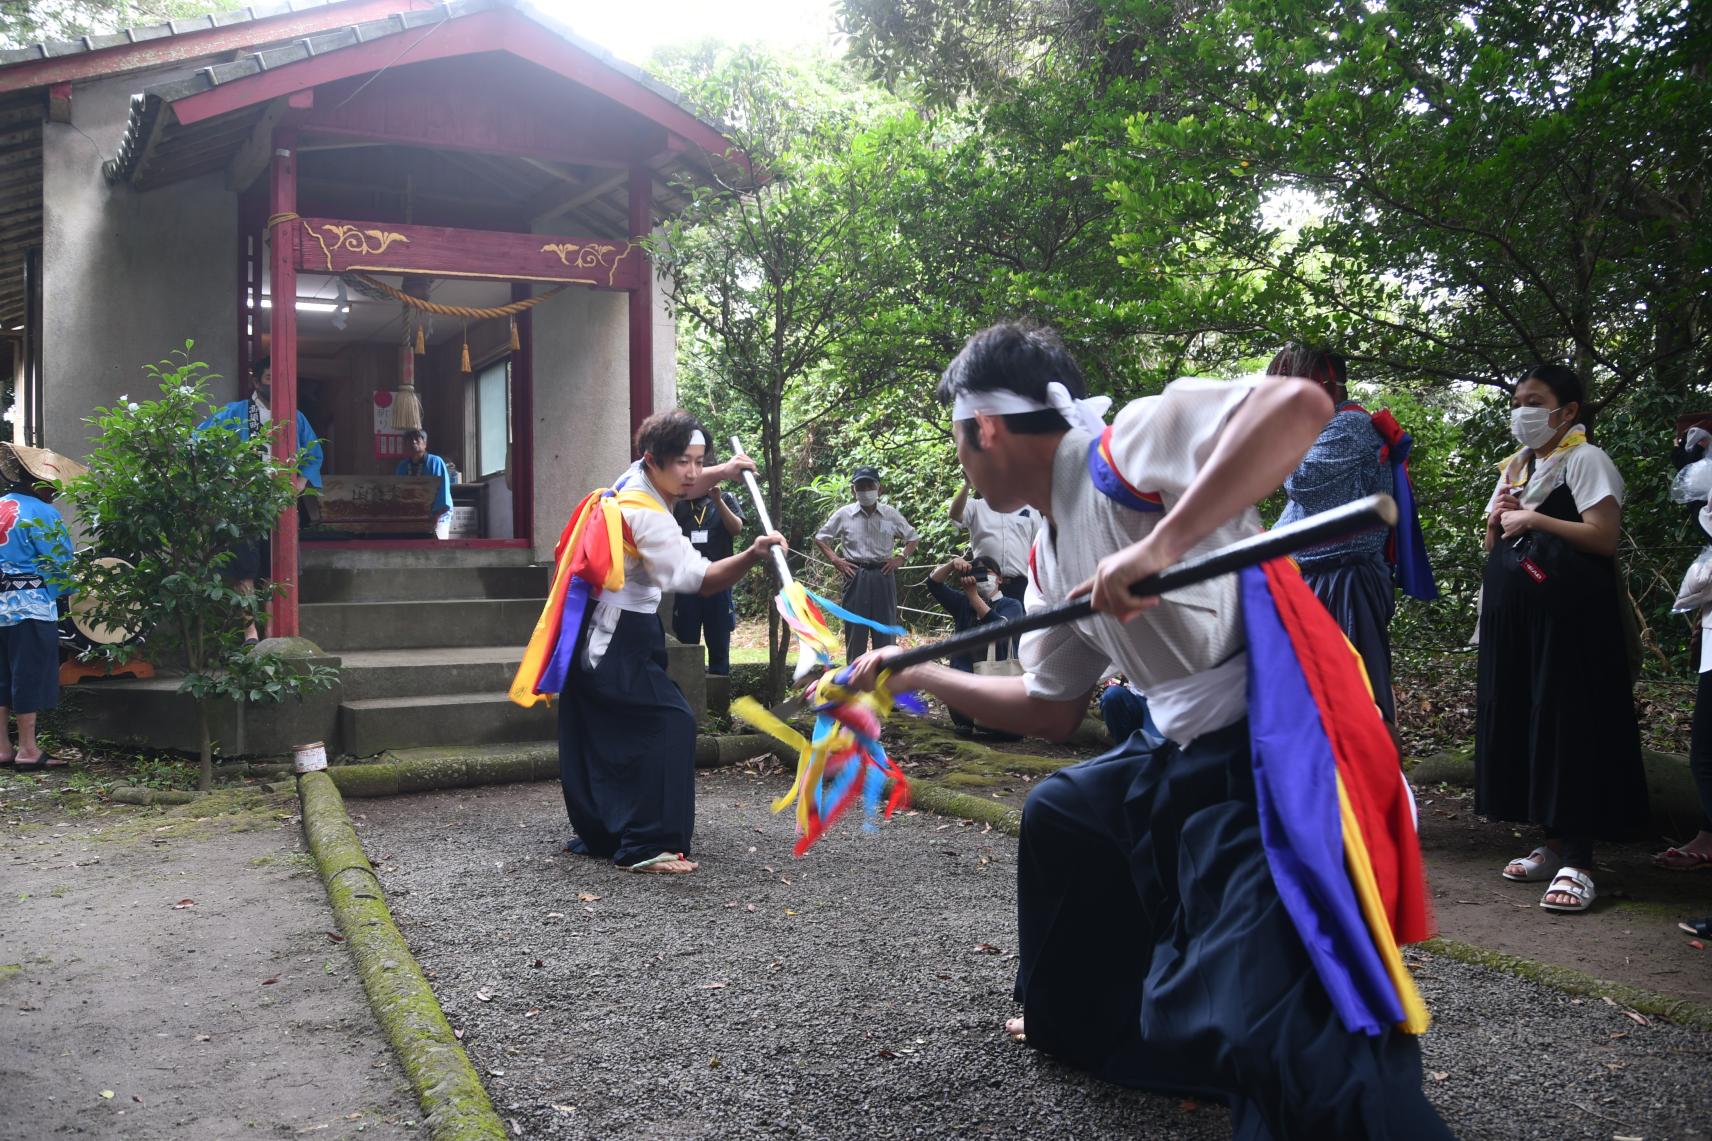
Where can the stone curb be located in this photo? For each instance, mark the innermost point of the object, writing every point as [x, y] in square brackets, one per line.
[455, 1107]
[942, 801]
[459, 768]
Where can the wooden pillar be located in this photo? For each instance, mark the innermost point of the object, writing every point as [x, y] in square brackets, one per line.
[641, 301]
[521, 470]
[282, 208]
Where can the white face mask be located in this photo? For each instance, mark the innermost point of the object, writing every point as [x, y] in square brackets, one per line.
[1532, 427]
[987, 587]
[867, 498]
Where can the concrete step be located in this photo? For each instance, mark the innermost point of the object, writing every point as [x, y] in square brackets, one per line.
[342, 556]
[375, 724]
[338, 627]
[430, 670]
[422, 584]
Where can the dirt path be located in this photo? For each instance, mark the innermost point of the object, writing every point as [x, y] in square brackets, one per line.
[125, 1015]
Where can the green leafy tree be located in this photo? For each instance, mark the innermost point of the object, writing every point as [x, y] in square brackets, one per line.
[174, 500]
[25, 22]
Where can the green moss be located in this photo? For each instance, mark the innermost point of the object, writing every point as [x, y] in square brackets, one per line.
[218, 813]
[930, 796]
[10, 970]
[446, 1084]
[1682, 1011]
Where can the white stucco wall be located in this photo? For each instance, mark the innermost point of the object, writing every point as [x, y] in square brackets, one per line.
[127, 276]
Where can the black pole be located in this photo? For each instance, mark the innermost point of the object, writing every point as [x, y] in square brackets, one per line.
[1373, 511]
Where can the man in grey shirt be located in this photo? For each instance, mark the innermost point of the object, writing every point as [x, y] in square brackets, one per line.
[868, 533]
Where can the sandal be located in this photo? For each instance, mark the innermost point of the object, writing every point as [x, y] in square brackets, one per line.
[1536, 866]
[1576, 885]
[1683, 860]
[1699, 928]
[653, 862]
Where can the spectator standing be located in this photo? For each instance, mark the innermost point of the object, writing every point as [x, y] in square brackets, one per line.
[1002, 536]
[709, 522]
[421, 462]
[33, 545]
[978, 598]
[1556, 743]
[1346, 463]
[867, 533]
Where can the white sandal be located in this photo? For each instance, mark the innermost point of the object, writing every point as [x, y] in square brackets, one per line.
[1536, 866]
[1577, 885]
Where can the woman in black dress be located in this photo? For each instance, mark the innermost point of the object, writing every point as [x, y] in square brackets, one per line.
[1556, 743]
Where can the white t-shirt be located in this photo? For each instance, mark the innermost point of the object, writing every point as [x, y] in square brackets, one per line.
[1186, 654]
[1003, 536]
[1587, 470]
[664, 561]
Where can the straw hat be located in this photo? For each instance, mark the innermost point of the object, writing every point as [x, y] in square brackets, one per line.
[21, 463]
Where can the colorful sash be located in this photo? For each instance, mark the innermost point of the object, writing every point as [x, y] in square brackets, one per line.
[1406, 547]
[1104, 471]
[1336, 817]
[588, 560]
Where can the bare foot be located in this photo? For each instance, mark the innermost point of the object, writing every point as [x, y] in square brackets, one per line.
[665, 864]
[1014, 1030]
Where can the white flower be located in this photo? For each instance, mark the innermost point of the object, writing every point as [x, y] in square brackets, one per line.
[132, 406]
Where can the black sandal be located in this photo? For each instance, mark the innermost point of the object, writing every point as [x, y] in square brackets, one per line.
[1699, 928]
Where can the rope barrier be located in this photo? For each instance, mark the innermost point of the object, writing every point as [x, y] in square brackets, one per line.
[282, 218]
[467, 311]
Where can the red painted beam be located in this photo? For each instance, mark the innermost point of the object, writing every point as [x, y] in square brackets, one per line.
[641, 304]
[522, 473]
[164, 50]
[282, 200]
[337, 245]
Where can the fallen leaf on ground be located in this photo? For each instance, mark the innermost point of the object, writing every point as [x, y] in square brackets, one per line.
[108, 1094]
[566, 1109]
[183, 903]
[1697, 944]
[1438, 1075]
[484, 996]
[748, 907]
[205, 1037]
[1639, 1019]
[136, 1099]
[714, 986]
[788, 911]
[457, 1033]
[335, 937]
[531, 1013]
[587, 896]
[269, 982]
[986, 949]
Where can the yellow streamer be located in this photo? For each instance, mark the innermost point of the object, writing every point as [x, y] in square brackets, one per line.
[1415, 1017]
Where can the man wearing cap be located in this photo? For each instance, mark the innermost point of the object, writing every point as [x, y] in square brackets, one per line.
[868, 531]
[1002, 536]
[33, 544]
[247, 418]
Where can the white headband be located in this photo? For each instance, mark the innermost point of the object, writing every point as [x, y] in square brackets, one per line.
[696, 438]
[1088, 414]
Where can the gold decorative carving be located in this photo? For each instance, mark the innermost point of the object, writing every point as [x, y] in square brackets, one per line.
[353, 239]
[590, 255]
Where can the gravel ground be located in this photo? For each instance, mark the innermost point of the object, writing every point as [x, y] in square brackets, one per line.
[858, 992]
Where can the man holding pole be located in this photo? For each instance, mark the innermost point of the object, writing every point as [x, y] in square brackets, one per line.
[1200, 980]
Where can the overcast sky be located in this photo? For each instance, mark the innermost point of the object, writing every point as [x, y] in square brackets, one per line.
[632, 29]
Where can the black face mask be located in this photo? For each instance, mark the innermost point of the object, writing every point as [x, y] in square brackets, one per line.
[265, 391]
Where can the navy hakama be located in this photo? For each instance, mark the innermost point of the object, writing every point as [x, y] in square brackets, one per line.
[1156, 953]
[1361, 596]
[627, 747]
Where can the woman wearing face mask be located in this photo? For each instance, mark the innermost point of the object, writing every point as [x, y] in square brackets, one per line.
[1556, 742]
[977, 598]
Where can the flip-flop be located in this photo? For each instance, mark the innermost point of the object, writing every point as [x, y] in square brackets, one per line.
[647, 866]
[29, 766]
[1682, 860]
[1699, 928]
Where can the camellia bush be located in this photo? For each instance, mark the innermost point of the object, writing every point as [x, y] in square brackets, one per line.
[173, 500]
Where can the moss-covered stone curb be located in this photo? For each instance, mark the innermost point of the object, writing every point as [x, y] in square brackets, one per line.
[942, 801]
[419, 770]
[455, 1107]
[130, 794]
[1682, 1011]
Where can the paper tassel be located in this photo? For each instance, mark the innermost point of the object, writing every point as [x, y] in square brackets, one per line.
[421, 341]
[406, 408]
[516, 345]
[466, 361]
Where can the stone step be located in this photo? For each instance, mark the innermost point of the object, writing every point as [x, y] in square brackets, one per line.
[338, 627]
[372, 725]
[428, 670]
[422, 584]
[320, 554]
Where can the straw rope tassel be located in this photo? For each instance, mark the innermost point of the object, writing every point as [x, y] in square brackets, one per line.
[466, 361]
[406, 405]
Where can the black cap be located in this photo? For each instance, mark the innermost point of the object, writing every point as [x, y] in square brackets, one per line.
[865, 472]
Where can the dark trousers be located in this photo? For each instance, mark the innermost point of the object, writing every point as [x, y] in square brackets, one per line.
[872, 594]
[1361, 596]
[695, 618]
[1700, 747]
[29, 666]
[1015, 587]
[1124, 711]
[627, 748]
[1155, 952]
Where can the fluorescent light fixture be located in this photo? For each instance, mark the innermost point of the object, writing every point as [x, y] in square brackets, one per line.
[305, 305]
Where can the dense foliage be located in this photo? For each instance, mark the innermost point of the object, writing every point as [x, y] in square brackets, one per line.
[1445, 193]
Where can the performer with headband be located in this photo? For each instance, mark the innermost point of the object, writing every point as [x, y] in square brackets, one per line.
[1158, 945]
[626, 734]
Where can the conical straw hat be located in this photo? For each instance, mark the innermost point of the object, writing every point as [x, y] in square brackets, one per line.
[18, 461]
